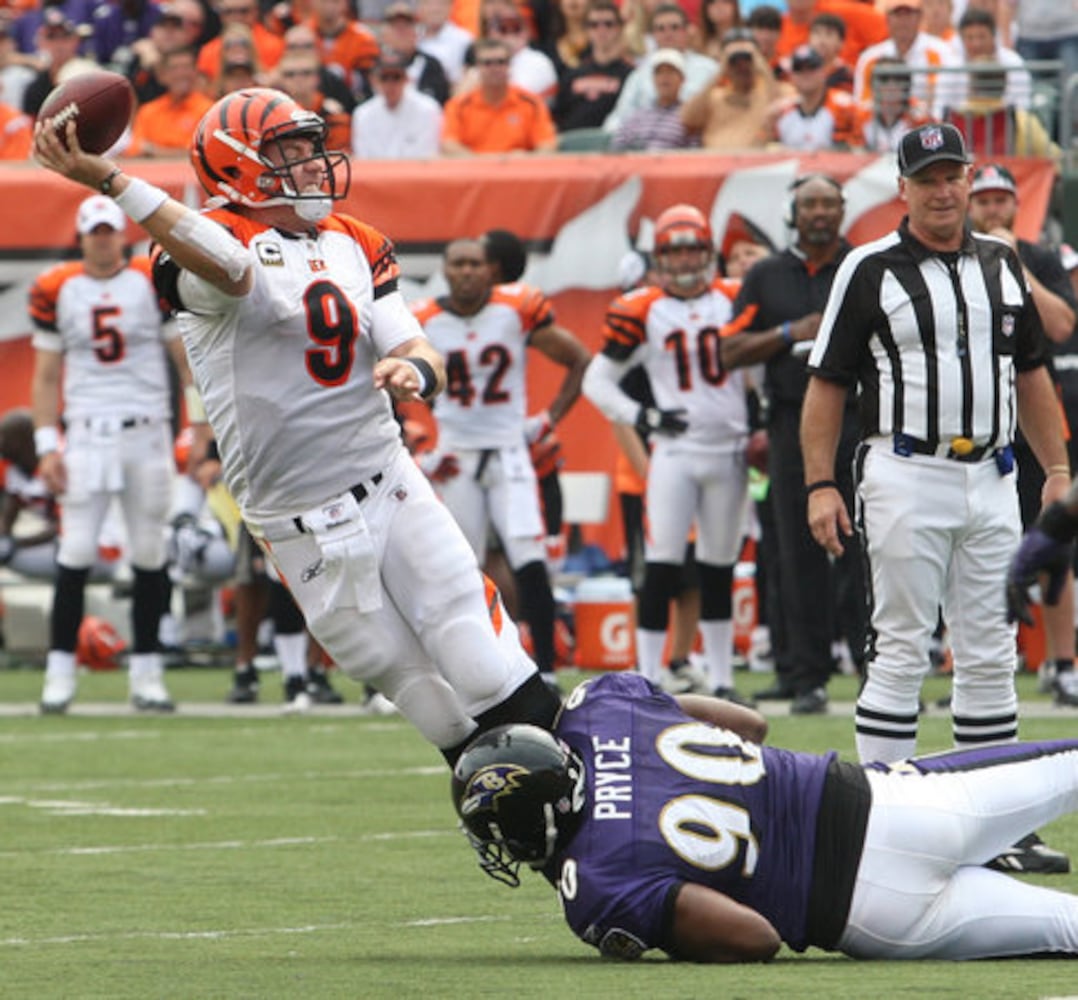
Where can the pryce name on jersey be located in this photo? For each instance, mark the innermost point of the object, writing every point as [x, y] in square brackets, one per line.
[613, 780]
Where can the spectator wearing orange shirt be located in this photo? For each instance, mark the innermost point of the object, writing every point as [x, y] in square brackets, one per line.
[16, 133]
[244, 12]
[865, 25]
[298, 75]
[164, 126]
[496, 116]
[347, 47]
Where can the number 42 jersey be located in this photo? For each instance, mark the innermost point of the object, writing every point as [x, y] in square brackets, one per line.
[674, 800]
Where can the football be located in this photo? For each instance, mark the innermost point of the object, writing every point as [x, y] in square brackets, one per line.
[101, 103]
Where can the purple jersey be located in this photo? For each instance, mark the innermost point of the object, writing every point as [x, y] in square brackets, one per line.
[674, 800]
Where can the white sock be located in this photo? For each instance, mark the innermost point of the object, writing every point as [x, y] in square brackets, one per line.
[291, 650]
[145, 666]
[649, 653]
[60, 664]
[884, 748]
[719, 652]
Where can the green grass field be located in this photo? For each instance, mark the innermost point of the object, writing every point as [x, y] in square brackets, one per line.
[313, 857]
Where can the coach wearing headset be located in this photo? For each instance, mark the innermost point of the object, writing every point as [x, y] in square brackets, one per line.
[776, 316]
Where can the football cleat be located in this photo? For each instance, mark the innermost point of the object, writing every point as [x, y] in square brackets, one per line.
[378, 704]
[731, 694]
[244, 687]
[1031, 855]
[319, 688]
[1065, 688]
[296, 699]
[684, 677]
[58, 693]
[149, 695]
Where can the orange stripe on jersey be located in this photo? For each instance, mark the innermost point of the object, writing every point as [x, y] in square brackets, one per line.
[377, 248]
[530, 303]
[741, 321]
[728, 286]
[45, 292]
[240, 226]
[425, 310]
[494, 604]
[626, 321]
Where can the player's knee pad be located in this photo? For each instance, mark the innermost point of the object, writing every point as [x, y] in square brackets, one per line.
[660, 587]
[716, 591]
[429, 703]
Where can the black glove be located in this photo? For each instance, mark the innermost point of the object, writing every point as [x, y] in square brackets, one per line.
[652, 420]
[1048, 547]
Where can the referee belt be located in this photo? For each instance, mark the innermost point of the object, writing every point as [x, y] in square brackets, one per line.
[958, 449]
[359, 491]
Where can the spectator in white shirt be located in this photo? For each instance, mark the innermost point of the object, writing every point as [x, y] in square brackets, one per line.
[398, 123]
[977, 30]
[441, 38]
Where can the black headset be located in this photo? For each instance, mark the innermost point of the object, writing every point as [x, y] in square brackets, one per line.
[790, 218]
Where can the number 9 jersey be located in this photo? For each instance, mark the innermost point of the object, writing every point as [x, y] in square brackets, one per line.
[285, 372]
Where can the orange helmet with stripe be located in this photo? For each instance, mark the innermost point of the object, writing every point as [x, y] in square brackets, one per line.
[98, 644]
[684, 250]
[241, 154]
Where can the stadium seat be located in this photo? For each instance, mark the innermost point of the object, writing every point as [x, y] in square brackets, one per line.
[584, 140]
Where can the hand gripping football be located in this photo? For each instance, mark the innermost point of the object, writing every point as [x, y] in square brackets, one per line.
[99, 101]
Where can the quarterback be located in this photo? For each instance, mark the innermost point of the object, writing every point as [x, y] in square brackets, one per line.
[298, 339]
[666, 825]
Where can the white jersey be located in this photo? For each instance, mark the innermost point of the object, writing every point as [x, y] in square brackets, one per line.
[285, 372]
[111, 333]
[485, 399]
[677, 343]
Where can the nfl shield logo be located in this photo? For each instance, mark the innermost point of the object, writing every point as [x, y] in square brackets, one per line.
[1007, 325]
[931, 138]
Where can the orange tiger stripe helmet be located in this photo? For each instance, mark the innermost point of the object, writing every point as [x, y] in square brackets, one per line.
[239, 155]
[684, 227]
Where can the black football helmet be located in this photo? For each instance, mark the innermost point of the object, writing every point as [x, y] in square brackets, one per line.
[519, 793]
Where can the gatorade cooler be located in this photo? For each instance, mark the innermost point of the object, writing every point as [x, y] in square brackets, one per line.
[603, 611]
[746, 609]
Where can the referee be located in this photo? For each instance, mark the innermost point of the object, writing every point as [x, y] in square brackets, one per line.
[937, 328]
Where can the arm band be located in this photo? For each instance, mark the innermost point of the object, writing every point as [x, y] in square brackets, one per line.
[784, 330]
[821, 484]
[192, 400]
[214, 242]
[428, 381]
[46, 440]
[139, 200]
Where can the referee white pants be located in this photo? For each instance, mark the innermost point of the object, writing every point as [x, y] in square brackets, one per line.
[921, 891]
[939, 532]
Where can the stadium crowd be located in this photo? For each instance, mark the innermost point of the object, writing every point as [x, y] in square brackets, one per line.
[461, 77]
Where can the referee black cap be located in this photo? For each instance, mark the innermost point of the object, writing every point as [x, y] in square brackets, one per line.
[930, 144]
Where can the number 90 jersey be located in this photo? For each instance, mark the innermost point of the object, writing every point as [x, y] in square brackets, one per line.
[485, 399]
[285, 372]
[110, 333]
[676, 341]
[673, 800]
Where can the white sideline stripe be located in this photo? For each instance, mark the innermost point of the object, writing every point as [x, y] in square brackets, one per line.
[92, 784]
[218, 935]
[226, 845]
[84, 737]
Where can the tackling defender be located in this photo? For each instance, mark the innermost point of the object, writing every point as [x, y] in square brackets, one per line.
[298, 336]
[667, 826]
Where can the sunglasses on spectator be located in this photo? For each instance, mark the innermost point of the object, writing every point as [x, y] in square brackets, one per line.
[236, 11]
[604, 23]
[508, 26]
[288, 74]
[492, 62]
[668, 26]
[390, 75]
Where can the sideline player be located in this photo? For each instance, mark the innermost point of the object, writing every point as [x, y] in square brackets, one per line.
[699, 428]
[666, 825]
[299, 338]
[100, 345]
[484, 331]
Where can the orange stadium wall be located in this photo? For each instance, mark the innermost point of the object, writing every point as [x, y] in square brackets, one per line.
[579, 214]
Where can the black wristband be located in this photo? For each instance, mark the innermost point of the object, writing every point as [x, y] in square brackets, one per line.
[426, 376]
[105, 187]
[821, 484]
[1057, 522]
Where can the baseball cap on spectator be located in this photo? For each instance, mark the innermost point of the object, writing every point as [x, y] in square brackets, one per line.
[890, 6]
[97, 210]
[993, 177]
[930, 144]
[399, 8]
[668, 57]
[805, 57]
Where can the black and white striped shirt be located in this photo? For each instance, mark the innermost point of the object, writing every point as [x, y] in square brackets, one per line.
[934, 339]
